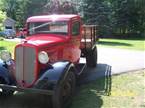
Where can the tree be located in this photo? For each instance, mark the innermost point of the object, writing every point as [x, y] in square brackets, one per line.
[129, 16]
[60, 7]
[53, 7]
[2, 18]
[68, 8]
[98, 12]
[10, 6]
[113, 16]
[20, 10]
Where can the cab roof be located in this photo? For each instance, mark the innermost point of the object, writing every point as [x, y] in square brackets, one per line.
[52, 18]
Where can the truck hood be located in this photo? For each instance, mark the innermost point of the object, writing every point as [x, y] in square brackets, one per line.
[41, 40]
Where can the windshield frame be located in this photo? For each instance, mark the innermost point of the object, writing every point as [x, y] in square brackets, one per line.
[48, 32]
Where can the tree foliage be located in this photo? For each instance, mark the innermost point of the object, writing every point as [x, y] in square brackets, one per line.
[129, 16]
[98, 12]
[113, 16]
[2, 18]
[20, 10]
[60, 7]
[123, 17]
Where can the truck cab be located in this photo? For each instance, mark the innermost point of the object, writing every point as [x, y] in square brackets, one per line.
[46, 62]
[62, 32]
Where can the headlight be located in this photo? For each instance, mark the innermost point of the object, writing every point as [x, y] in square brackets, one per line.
[5, 55]
[43, 57]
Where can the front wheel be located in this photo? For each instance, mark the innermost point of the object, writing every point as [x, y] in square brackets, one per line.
[64, 92]
[5, 92]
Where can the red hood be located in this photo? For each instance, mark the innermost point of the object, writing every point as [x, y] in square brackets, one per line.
[40, 40]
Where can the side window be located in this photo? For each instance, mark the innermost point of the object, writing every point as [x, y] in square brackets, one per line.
[76, 29]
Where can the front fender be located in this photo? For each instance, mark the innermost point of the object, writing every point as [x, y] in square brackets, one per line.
[4, 74]
[54, 76]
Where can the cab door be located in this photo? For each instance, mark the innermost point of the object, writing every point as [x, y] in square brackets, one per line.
[72, 50]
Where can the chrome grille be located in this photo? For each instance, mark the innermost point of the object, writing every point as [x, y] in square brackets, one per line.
[25, 64]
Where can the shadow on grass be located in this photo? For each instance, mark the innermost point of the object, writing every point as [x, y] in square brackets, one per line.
[25, 100]
[113, 43]
[95, 82]
[2, 48]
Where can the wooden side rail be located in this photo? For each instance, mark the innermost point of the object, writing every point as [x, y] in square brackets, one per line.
[89, 36]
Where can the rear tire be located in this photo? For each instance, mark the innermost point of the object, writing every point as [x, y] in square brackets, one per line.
[5, 92]
[64, 92]
[91, 57]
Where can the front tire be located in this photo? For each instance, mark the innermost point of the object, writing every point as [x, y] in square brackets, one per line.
[5, 92]
[64, 92]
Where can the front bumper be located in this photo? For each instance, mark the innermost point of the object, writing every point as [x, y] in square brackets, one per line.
[28, 90]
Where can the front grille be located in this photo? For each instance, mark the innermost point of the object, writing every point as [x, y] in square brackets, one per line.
[25, 64]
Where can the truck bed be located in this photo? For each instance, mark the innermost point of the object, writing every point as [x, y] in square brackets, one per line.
[89, 36]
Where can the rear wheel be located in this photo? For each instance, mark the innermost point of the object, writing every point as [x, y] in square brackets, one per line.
[5, 92]
[64, 92]
[91, 57]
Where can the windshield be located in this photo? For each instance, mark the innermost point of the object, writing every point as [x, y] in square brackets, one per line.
[57, 27]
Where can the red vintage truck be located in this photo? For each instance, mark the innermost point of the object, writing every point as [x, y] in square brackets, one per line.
[47, 61]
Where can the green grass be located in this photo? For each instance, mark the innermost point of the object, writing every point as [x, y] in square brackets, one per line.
[122, 91]
[124, 44]
[7, 45]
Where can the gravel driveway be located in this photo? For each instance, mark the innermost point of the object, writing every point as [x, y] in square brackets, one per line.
[114, 61]
[122, 60]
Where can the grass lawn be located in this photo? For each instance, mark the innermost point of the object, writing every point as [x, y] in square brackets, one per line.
[124, 44]
[7, 45]
[122, 91]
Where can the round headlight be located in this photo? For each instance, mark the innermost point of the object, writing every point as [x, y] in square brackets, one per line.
[43, 57]
[5, 55]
